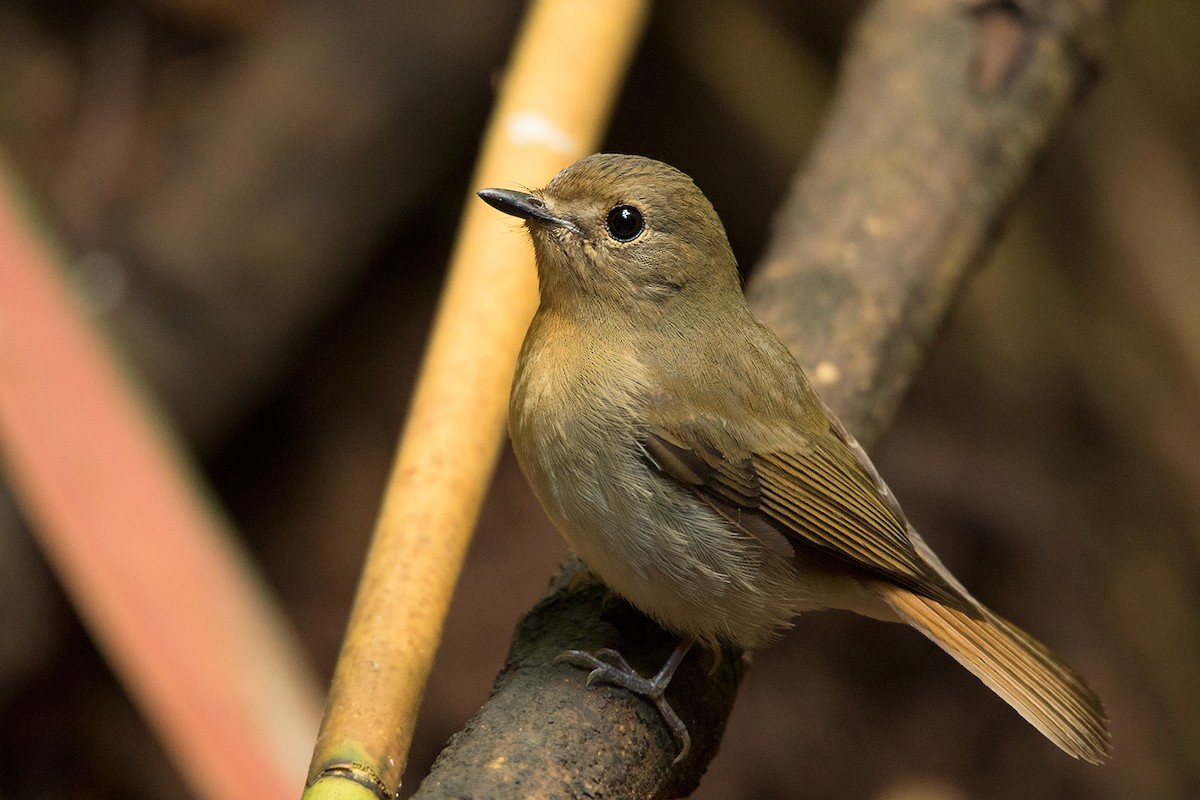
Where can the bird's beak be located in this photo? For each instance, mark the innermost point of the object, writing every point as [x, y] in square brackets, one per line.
[523, 205]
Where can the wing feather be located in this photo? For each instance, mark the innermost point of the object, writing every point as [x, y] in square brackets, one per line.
[816, 495]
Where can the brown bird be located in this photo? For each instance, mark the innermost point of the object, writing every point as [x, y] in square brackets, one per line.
[678, 447]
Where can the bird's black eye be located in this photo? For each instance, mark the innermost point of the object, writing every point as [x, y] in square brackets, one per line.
[625, 223]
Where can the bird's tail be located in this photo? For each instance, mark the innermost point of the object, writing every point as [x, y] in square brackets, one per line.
[1022, 670]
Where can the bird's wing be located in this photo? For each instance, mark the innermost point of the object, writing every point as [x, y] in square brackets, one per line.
[816, 492]
[821, 491]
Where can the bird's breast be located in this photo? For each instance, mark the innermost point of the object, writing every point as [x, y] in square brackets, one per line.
[576, 416]
[573, 417]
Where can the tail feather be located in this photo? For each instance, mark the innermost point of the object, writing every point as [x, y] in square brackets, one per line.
[1023, 671]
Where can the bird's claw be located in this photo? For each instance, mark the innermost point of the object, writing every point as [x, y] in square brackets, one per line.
[608, 666]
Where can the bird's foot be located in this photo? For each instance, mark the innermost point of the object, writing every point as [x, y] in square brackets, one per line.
[609, 666]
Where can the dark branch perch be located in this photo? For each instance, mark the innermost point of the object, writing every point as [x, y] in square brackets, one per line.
[542, 733]
[941, 109]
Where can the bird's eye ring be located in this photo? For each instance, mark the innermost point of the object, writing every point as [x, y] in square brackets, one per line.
[625, 223]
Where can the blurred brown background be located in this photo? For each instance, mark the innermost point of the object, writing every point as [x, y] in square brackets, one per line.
[259, 199]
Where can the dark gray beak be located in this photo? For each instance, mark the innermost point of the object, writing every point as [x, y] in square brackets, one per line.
[523, 205]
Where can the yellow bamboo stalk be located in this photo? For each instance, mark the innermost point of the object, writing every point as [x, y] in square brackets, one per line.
[555, 101]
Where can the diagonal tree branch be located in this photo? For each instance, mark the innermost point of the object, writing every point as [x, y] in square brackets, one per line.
[941, 109]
